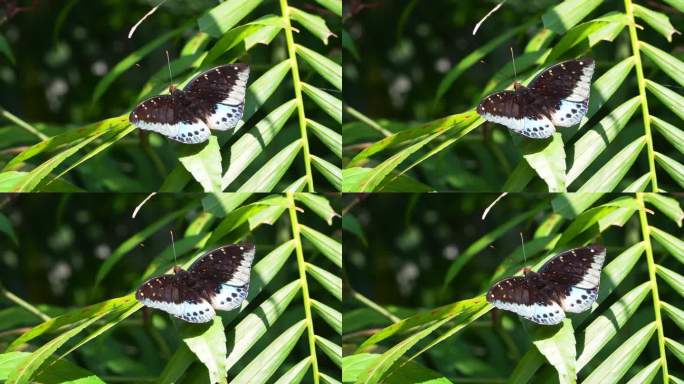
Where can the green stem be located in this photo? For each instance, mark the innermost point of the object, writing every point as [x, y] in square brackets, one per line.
[366, 120]
[21, 123]
[372, 305]
[301, 264]
[20, 302]
[291, 51]
[646, 232]
[641, 81]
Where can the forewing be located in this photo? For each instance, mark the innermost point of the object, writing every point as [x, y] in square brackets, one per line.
[171, 295]
[510, 108]
[515, 294]
[565, 89]
[168, 116]
[225, 272]
[577, 274]
[223, 88]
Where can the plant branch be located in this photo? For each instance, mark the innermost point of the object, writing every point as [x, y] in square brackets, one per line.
[646, 234]
[641, 82]
[22, 124]
[296, 82]
[301, 264]
[20, 302]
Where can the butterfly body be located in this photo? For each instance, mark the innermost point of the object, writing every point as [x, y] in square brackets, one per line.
[568, 282]
[218, 280]
[212, 100]
[559, 96]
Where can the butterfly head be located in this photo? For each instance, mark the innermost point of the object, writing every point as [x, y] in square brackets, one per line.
[526, 271]
[172, 89]
[177, 269]
[518, 86]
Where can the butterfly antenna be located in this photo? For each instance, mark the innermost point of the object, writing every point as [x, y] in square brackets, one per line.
[168, 62]
[522, 241]
[515, 72]
[173, 245]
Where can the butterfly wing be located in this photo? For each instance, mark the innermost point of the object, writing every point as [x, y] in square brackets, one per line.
[223, 89]
[225, 273]
[169, 116]
[565, 86]
[518, 295]
[515, 110]
[171, 294]
[577, 274]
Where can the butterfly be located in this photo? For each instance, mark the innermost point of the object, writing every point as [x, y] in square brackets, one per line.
[218, 280]
[211, 100]
[569, 282]
[559, 96]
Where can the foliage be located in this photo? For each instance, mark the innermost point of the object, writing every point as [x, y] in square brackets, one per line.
[629, 140]
[288, 328]
[288, 130]
[438, 255]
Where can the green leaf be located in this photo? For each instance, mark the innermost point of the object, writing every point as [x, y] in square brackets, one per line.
[395, 182]
[134, 58]
[329, 170]
[616, 365]
[176, 365]
[331, 316]
[250, 145]
[329, 281]
[328, 69]
[327, 245]
[376, 372]
[673, 134]
[231, 39]
[328, 103]
[676, 348]
[612, 172]
[588, 147]
[334, 6]
[330, 138]
[266, 178]
[671, 65]
[567, 14]
[658, 21]
[257, 323]
[638, 185]
[319, 204]
[671, 277]
[558, 346]
[28, 367]
[674, 313]
[205, 165]
[547, 158]
[61, 371]
[225, 16]
[600, 331]
[667, 205]
[117, 305]
[406, 372]
[265, 364]
[6, 50]
[672, 167]
[314, 24]
[208, 343]
[672, 100]
[678, 4]
[295, 374]
[332, 350]
[646, 375]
